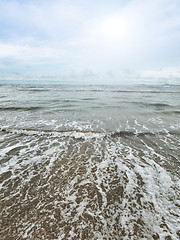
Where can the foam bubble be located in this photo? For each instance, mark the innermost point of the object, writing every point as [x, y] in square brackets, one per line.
[88, 186]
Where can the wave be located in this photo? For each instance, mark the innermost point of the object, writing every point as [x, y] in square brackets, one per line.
[121, 90]
[172, 112]
[89, 90]
[88, 99]
[87, 134]
[71, 133]
[34, 90]
[19, 108]
[161, 105]
[143, 91]
[141, 134]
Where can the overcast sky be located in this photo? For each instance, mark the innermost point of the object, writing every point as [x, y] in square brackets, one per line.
[91, 40]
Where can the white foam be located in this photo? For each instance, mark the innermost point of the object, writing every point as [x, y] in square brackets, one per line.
[102, 160]
[75, 134]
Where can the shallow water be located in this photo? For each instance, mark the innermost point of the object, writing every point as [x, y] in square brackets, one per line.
[89, 162]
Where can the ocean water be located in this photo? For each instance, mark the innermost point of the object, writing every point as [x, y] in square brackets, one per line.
[89, 162]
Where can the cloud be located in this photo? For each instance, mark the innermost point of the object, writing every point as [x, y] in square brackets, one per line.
[138, 28]
[170, 73]
[25, 52]
[40, 19]
[62, 37]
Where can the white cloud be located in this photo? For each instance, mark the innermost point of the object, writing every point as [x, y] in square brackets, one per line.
[41, 15]
[25, 52]
[66, 37]
[166, 73]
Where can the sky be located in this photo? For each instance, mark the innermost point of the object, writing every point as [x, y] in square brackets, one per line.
[100, 41]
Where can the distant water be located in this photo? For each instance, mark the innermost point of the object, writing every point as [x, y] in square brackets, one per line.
[89, 162]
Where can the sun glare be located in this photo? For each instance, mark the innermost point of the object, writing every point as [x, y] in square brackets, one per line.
[116, 29]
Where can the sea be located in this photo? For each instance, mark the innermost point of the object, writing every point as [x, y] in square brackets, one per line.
[90, 162]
